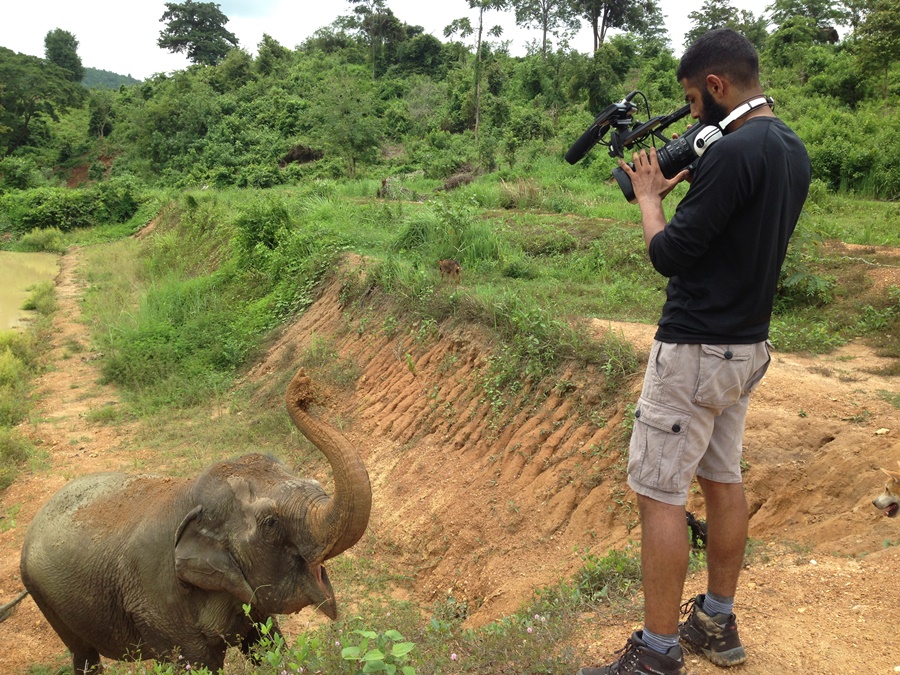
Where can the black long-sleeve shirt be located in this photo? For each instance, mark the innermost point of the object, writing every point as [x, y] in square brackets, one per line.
[724, 247]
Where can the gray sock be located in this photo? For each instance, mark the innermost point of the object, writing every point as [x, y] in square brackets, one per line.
[659, 643]
[716, 604]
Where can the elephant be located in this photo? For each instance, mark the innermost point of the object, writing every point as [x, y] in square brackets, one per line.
[132, 567]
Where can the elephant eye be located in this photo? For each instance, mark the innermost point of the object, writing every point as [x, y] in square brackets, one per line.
[270, 530]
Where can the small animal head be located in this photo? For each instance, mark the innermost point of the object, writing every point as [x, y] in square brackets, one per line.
[450, 268]
[889, 500]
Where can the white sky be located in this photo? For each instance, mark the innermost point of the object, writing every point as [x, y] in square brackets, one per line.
[120, 36]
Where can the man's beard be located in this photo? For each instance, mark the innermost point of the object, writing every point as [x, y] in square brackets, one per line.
[713, 113]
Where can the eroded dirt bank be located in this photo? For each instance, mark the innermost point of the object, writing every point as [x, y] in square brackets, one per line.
[488, 506]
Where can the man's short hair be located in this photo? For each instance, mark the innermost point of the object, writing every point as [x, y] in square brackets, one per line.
[720, 51]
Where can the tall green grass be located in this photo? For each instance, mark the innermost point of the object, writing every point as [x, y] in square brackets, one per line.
[21, 360]
[203, 291]
[539, 253]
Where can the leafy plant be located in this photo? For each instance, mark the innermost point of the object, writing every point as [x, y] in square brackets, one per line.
[49, 239]
[14, 452]
[800, 283]
[614, 577]
[379, 652]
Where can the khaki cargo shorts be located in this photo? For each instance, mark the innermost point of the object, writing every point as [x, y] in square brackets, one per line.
[690, 416]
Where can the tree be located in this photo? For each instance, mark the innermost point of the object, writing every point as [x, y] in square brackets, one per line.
[198, 30]
[650, 25]
[101, 108]
[348, 123]
[422, 54]
[711, 15]
[464, 27]
[605, 14]
[879, 40]
[61, 48]
[788, 45]
[271, 55]
[855, 12]
[721, 14]
[548, 15]
[372, 18]
[29, 89]
[823, 13]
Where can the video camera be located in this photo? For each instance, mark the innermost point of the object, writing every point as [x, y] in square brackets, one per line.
[626, 133]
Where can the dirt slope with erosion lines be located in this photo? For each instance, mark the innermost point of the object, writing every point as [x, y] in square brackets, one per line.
[489, 506]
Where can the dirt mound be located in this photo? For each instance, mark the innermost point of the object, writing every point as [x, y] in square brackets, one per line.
[487, 503]
[545, 475]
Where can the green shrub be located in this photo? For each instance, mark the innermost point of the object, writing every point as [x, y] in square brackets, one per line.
[117, 199]
[12, 370]
[41, 298]
[48, 207]
[260, 224]
[801, 284]
[14, 452]
[616, 576]
[21, 344]
[49, 239]
[20, 173]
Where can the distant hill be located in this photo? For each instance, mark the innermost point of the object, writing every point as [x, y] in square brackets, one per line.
[95, 78]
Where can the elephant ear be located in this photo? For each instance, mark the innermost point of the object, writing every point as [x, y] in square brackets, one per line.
[204, 562]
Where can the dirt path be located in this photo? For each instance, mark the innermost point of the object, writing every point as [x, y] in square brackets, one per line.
[67, 392]
[488, 506]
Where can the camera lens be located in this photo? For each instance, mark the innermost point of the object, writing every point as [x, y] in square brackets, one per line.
[676, 155]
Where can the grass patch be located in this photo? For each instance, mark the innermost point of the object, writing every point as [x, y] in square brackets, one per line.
[20, 361]
[49, 239]
[222, 269]
[204, 295]
[15, 451]
[891, 397]
[107, 414]
[41, 298]
[322, 358]
[614, 578]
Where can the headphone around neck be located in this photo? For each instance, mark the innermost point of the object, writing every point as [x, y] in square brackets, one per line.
[745, 108]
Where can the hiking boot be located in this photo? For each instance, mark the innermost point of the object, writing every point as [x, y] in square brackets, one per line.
[638, 659]
[716, 637]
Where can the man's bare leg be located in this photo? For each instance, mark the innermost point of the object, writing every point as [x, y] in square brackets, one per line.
[727, 522]
[664, 560]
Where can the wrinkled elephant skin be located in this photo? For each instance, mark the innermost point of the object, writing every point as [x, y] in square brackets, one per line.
[134, 567]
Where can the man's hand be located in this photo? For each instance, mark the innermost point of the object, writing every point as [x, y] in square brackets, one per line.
[647, 179]
[650, 188]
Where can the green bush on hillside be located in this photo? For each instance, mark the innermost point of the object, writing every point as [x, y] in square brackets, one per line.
[112, 201]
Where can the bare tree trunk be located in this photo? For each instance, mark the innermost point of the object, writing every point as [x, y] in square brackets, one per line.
[603, 25]
[478, 73]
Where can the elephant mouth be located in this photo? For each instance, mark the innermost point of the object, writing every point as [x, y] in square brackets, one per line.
[328, 604]
[315, 589]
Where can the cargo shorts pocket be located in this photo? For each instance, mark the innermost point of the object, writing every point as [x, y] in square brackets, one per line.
[760, 372]
[657, 446]
[724, 369]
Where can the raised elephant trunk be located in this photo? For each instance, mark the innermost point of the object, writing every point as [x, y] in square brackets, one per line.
[338, 522]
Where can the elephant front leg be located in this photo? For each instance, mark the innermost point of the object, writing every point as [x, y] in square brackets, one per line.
[86, 661]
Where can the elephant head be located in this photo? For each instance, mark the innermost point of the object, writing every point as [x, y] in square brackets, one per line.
[262, 534]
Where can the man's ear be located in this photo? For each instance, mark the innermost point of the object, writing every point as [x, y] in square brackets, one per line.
[715, 85]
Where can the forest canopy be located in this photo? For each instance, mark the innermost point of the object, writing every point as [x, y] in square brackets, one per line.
[370, 95]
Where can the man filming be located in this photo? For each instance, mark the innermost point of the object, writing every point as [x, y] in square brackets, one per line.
[722, 252]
